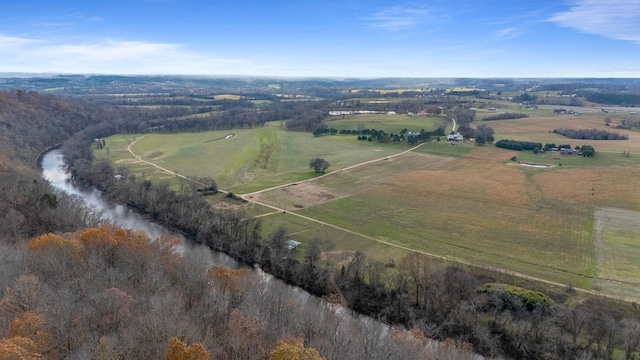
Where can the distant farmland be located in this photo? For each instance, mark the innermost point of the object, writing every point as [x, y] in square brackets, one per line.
[466, 202]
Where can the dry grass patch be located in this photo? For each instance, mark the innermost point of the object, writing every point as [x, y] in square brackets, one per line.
[540, 129]
[349, 182]
[612, 187]
[476, 209]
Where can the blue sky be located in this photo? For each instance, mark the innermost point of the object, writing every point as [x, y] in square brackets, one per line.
[346, 38]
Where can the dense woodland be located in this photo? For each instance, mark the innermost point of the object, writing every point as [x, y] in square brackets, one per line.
[70, 289]
[590, 134]
[505, 116]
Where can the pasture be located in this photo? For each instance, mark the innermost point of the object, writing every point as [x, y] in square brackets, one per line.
[471, 209]
[480, 208]
[388, 123]
[337, 245]
[250, 160]
[465, 202]
[616, 234]
[540, 129]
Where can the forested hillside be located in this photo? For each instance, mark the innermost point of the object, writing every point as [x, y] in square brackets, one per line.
[107, 293]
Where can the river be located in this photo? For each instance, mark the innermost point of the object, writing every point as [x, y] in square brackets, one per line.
[52, 170]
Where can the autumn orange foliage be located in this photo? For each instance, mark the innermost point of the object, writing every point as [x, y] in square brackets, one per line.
[49, 242]
[178, 350]
[293, 349]
[32, 326]
[18, 348]
[224, 277]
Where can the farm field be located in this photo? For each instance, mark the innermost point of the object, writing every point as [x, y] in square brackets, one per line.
[616, 234]
[388, 123]
[465, 203]
[349, 183]
[540, 129]
[243, 160]
[483, 212]
[481, 208]
[337, 245]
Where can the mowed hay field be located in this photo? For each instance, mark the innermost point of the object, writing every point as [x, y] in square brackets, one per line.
[242, 160]
[479, 208]
[388, 123]
[540, 129]
[616, 237]
[349, 183]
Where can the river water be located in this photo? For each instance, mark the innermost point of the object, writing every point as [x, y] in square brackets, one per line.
[52, 170]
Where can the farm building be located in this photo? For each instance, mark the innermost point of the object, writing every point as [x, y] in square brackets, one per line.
[455, 137]
[291, 244]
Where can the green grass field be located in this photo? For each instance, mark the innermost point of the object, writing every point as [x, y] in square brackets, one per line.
[617, 251]
[250, 160]
[338, 245]
[388, 123]
[465, 202]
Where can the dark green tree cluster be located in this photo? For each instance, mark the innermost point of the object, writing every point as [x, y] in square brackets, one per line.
[587, 151]
[518, 145]
[525, 98]
[613, 98]
[384, 137]
[319, 165]
[325, 131]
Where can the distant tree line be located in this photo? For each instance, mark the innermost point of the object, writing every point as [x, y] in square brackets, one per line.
[304, 115]
[382, 136]
[330, 131]
[518, 145]
[505, 116]
[613, 98]
[629, 124]
[590, 134]
[401, 107]
[525, 98]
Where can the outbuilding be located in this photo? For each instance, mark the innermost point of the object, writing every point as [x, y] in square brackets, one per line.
[291, 244]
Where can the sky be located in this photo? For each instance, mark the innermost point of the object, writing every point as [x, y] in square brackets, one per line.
[328, 38]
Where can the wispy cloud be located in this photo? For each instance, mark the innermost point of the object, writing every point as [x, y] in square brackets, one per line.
[109, 56]
[65, 21]
[614, 19]
[506, 33]
[11, 42]
[397, 18]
